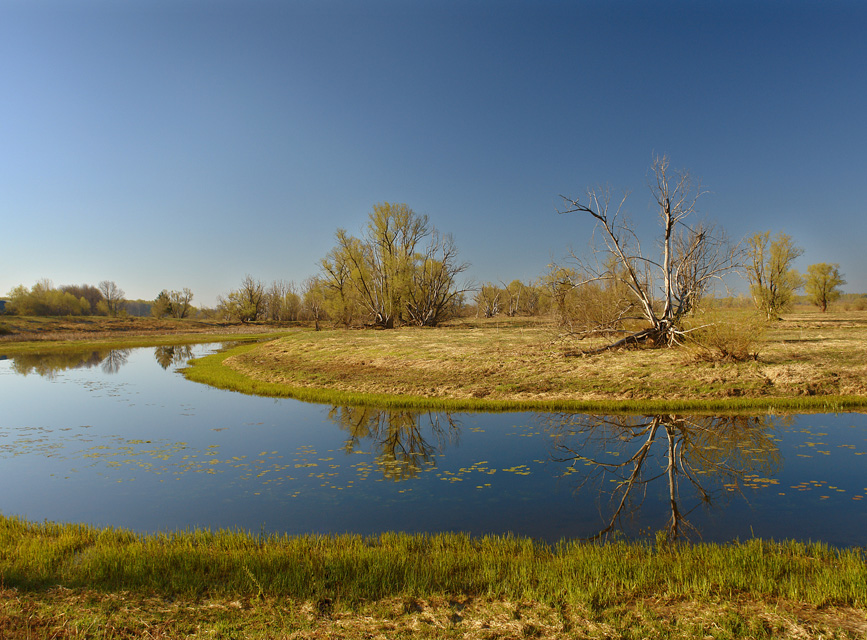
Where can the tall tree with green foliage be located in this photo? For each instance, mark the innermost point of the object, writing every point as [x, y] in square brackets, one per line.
[182, 302]
[246, 304]
[823, 284]
[773, 281]
[341, 295]
[390, 273]
[177, 304]
[91, 294]
[162, 305]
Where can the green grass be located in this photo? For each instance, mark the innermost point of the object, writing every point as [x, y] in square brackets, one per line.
[616, 584]
[351, 569]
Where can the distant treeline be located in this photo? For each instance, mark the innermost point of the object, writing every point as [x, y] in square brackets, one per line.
[403, 271]
[44, 299]
[106, 299]
[283, 301]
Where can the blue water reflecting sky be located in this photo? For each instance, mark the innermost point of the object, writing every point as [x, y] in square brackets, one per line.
[125, 440]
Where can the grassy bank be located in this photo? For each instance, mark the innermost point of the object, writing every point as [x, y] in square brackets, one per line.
[231, 584]
[807, 362]
[31, 335]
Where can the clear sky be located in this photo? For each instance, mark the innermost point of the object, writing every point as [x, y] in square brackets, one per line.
[165, 144]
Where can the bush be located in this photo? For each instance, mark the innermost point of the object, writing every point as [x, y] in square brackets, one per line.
[717, 336]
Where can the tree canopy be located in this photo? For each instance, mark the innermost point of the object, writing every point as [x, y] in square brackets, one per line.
[823, 284]
[391, 273]
[773, 281]
[247, 303]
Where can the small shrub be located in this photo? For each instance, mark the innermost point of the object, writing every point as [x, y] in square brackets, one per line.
[726, 337]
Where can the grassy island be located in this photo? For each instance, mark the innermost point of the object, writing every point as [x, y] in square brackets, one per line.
[806, 362]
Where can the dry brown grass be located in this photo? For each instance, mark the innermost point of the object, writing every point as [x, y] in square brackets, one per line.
[805, 354]
[28, 329]
[82, 614]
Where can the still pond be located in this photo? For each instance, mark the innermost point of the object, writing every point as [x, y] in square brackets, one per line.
[120, 438]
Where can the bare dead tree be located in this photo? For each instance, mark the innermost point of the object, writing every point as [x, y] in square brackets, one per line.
[662, 288]
[115, 359]
[113, 295]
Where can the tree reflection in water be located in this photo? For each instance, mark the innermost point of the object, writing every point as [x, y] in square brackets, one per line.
[625, 454]
[115, 359]
[50, 364]
[166, 356]
[406, 440]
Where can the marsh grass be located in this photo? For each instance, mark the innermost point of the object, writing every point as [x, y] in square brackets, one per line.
[308, 579]
[351, 569]
[805, 363]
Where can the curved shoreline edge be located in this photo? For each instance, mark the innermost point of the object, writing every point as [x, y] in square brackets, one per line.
[212, 371]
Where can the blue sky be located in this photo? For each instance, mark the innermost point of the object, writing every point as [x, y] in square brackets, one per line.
[165, 144]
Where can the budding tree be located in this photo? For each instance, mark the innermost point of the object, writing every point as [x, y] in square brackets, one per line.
[665, 286]
[400, 270]
[773, 281]
[823, 284]
[245, 304]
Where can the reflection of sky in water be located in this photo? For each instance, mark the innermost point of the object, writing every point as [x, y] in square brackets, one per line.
[141, 447]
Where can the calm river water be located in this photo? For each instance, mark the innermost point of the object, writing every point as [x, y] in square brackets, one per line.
[120, 438]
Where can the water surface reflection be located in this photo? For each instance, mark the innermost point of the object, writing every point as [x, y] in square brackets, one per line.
[701, 456]
[173, 355]
[50, 364]
[403, 447]
[123, 439]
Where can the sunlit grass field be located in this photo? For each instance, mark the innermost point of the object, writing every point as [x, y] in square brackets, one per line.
[806, 361]
[74, 581]
[77, 581]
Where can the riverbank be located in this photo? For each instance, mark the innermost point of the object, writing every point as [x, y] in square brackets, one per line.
[74, 581]
[20, 335]
[806, 362]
